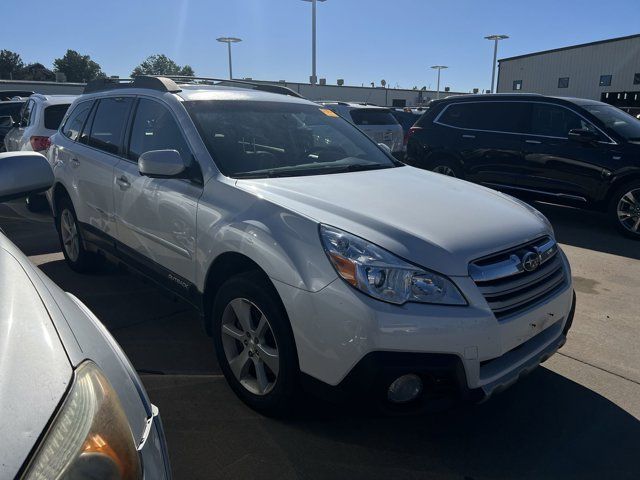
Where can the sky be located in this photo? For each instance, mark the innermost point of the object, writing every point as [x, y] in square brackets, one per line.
[358, 41]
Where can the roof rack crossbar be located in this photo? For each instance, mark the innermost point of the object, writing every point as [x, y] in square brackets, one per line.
[265, 87]
[162, 84]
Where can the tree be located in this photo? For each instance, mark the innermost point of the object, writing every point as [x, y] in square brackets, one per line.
[77, 68]
[161, 65]
[10, 64]
[35, 71]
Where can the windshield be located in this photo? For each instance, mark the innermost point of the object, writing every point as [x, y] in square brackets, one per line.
[620, 122]
[372, 116]
[270, 139]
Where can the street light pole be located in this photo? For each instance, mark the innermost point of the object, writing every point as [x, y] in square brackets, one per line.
[496, 39]
[314, 77]
[229, 41]
[439, 68]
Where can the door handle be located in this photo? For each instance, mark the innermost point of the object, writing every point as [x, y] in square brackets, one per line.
[466, 135]
[75, 163]
[534, 142]
[123, 182]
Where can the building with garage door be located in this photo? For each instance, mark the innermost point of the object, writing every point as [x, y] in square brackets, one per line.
[607, 70]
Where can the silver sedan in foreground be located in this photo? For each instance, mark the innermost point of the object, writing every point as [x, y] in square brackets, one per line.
[71, 404]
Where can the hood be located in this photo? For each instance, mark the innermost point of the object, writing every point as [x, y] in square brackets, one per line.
[437, 222]
[34, 369]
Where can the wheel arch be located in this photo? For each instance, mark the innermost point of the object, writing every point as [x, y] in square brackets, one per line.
[225, 266]
[616, 185]
[58, 191]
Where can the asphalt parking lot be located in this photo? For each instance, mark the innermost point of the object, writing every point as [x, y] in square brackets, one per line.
[578, 416]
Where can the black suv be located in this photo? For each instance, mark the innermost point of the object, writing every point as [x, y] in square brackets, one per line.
[572, 151]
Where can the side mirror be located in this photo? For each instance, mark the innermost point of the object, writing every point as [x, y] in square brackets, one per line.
[23, 174]
[583, 135]
[161, 164]
[385, 147]
[6, 122]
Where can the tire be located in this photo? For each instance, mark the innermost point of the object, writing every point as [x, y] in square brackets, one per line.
[36, 203]
[77, 257]
[624, 209]
[447, 167]
[258, 359]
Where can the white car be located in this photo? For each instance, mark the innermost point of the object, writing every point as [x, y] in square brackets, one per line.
[71, 404]
[377, 122]
[39, 118]
[312, 254]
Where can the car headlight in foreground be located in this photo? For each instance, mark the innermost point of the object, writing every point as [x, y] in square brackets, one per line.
[90, 437]
[382, 275]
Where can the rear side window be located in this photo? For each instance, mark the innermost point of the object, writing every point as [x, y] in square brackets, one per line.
[509, 117]
[154, 128]
[73, 125]
[109, 123]
[554, 121]
[26, 113]
[53, 116]
[11, 110]
[370, 116]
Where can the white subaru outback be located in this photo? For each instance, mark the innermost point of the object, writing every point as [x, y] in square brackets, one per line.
[314, 256]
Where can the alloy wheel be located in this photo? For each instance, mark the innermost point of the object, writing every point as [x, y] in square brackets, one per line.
[250, 346]
[628, 211]
[445, 170]
[70, 237]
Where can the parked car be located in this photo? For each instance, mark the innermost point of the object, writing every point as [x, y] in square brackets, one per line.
[72, 404]
[39, 118]
[377, 122]
[11, 94]
[9, 113]
[571, 151]
[313, 255]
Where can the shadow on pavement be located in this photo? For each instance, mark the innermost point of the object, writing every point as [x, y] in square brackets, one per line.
[159, 332]
[590, 230]
[546, 426]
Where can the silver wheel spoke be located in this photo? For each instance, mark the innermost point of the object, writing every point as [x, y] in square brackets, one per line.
[263, 327]
[629, 211]
[270, 357]
[242, 310]
[239, 363]
[636, 226]
[233, 332]
[261, 376]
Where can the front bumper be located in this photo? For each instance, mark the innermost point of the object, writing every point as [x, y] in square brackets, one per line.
[153, 450]
[338, 329]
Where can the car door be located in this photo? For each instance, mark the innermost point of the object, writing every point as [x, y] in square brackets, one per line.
[156, 218]
[559, 167]
[486, 136]
[92, 162]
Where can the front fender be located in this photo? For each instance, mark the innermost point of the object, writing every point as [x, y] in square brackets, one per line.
[285, 244]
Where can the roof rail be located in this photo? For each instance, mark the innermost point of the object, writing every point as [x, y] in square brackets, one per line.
[265, 87]
[162, 84]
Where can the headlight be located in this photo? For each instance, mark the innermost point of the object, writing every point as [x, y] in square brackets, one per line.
[382, 275]
[90, 437]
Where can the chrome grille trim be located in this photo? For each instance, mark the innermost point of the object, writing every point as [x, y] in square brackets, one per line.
[508, 287]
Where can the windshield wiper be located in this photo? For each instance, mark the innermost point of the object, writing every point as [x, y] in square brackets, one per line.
[299, 172]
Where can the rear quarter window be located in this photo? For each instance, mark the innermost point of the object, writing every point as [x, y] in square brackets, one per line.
[369, 116]
[53, 115]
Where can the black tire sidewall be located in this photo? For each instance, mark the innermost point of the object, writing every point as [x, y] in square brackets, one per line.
[86, 260]
[613, 208]
[254, 286]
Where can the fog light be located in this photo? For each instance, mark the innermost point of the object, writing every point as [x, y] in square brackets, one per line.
[405, 388]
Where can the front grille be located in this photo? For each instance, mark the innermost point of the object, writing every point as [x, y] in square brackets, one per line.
[514, 280]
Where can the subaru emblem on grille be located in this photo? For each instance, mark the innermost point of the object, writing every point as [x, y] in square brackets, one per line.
[531, 261]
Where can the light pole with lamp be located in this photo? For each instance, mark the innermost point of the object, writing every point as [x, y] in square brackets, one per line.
[314, 78]
[229, 41]
[496, 39]
[439, 68]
